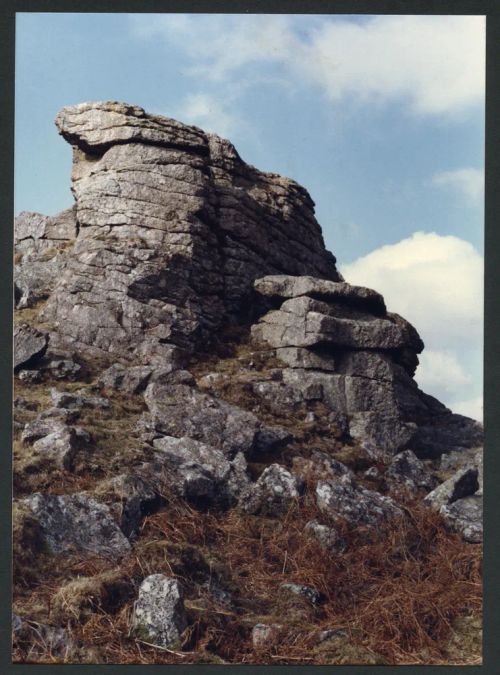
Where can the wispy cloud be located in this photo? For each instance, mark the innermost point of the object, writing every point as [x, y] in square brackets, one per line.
[432, 64]
[209, 112]
[468, 182]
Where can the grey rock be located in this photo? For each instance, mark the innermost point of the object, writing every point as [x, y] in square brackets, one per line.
[273, 494]
[20, 403]
[466, 517]
[30, 376]
[326, 536]
[310, 594]
[29, 345]
[78, 522]
[462, 484]
[446, 433]
[137, 497]
[41, 245]
[202, 472]
[298, 357]
[159, 614]
[77, 399]
[408, 470]
[210, 420]
[61, 447]
[173, 230]
[64, 369]
[283, 286]
[130, 380]
[341, 499]
[41, 426]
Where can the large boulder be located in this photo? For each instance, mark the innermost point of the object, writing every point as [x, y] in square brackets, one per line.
[209, 420]
[30, 345]
[200, 472]
[78, 523]
[341, 499]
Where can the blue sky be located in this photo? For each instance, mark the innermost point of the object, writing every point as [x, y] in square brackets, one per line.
[380, 118]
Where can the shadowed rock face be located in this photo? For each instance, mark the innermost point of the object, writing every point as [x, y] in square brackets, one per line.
[173, 229]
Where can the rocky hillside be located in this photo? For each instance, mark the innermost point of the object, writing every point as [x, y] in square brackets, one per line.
[220, 452]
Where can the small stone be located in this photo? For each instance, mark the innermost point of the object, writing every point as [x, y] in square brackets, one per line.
[30, 376]
[327, 537]
[77, 399]
[64, 369]
[310, 594]
[159, 614]
[273, 493]
[263, 634]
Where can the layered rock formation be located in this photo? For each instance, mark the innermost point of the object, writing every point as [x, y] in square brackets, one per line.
[173, 228]
[224, 367]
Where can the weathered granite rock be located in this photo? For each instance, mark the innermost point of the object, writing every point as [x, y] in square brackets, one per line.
[200, 472]
[341, 499]
[459, 500]
[159, 615]
[78, 523]
[327, 537]
[284, 287]
[298, 357]
[273, 494]
[40, 245]
[61, 447]
[29, 345]
[462, 484]
[134, 496]
[466, 517]
[408, 470]
[73, 400]
[210, 420]
[131, 380]
[340, 342]
[173, 229]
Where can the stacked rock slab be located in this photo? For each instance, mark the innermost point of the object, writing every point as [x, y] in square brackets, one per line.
[341, 340]
[172, 230]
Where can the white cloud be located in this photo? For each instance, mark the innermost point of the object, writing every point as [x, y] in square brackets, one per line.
[436, 282]
[436, 64]
[469, 182]
[471, 408]
[441, 373]
[209, 112]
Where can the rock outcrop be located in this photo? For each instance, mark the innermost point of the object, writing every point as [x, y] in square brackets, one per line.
[173, 228]
[212, 424]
